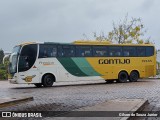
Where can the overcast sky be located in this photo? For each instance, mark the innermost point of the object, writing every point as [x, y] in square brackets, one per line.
[67, 20]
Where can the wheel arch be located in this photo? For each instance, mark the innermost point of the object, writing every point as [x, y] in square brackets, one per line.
[136, 71]
[123, 71]
[48, 74]
[122, 76]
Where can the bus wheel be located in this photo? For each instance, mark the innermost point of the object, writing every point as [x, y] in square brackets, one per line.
[122, 77]
[48, 80]
[133, 76]
[38, 85]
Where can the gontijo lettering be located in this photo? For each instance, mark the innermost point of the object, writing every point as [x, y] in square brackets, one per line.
[114, 61]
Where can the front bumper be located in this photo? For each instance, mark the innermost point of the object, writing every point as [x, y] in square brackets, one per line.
[13, 81]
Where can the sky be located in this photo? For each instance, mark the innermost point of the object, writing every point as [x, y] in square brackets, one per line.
[70, 20]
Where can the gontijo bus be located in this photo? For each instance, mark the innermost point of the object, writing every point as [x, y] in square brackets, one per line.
[46, 63]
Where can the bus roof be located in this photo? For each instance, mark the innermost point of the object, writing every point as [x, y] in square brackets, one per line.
[87, 42]
[95, 42]
[27, 43]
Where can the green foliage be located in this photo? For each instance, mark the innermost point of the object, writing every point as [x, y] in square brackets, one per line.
[101, 37]
[3, 69]
[3, 72]
[1, 55]
[127, 31]
[158, 70]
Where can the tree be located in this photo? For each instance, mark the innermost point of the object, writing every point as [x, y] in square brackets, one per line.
[1, 56]
[128, 31]
[4, 66]
[101, 37]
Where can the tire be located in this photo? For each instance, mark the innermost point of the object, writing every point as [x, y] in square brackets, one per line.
[38, 85]
[134, 76]
[48, 80]
[122, 77]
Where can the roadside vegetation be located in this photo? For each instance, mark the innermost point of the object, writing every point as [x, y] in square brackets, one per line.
[3, 67]
[158, 62]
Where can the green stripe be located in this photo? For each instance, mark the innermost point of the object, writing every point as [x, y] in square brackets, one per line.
[71, 67]
[84, 66]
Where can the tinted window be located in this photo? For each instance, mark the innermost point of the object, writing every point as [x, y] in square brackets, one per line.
[27, 57]
[66, 51]
[100, 51]
[141, 52]
[47, 51]
[83, 51]
[129, 51]
[149, 51]
[115, 51]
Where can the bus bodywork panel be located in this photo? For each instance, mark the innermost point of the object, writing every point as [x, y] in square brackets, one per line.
[66, 68]
[63, 71]
[70, 69]
[110, 67]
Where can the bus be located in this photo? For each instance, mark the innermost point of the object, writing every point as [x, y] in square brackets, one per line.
[42, 64]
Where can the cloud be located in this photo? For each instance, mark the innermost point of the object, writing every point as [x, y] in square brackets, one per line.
[148, 4]
[65, 21]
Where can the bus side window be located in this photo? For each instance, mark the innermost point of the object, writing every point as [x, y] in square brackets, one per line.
[82, 54]
[68, 51]
[126, 53]
[129, 51]
[54, 52]
[60, 51]
[47, 51]
[100, 51]
[118, 54]
[110, 53]
[83, 51]
[87, 53]
[115, 51]
[42, 52]
[141, 51]
[149, 51]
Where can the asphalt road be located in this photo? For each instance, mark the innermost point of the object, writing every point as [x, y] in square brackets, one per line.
[66, 96]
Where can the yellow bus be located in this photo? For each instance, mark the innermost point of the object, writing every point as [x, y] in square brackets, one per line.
[42, 64]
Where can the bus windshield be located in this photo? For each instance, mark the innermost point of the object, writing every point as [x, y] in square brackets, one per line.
[27, 57]
[13, 59]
